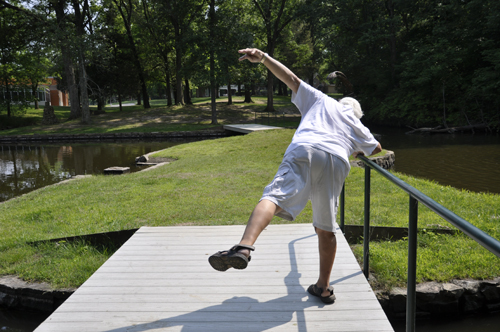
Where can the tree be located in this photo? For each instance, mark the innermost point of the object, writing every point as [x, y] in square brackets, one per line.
[275, 17]
[126, 9]
[15, 34]
[63, 33]
[162, 36]
[181, 14]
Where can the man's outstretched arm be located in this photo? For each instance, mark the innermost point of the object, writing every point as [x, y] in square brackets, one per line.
[277, 68]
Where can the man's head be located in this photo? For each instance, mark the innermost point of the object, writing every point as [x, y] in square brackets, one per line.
[354, 104]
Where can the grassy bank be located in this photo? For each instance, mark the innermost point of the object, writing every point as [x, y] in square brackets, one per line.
[159, 118]
[218, 182]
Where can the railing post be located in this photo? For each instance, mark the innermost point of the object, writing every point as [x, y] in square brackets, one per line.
[366, 228]
[411, 298]
[342, 209]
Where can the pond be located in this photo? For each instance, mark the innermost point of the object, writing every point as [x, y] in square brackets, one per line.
[26, 167]
[469, 162]
[463, 161]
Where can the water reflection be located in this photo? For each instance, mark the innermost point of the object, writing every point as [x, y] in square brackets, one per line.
[24, 168]
[463, 161]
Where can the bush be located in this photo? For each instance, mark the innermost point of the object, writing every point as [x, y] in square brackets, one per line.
[9, 122]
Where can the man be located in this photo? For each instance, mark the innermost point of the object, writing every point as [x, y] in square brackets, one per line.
[314, 167]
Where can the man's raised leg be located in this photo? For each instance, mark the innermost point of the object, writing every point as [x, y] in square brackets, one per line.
[239, 255]
[259, 219]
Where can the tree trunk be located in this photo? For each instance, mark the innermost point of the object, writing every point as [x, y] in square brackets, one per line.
[69, 71]
[270, 94]
[83, 90]
[137, 62]
[69, 68]
[169, 89]
[212, 62]
[34, 88]
[9, 99]
[248, 93]
[187, 95]
[229, 92]
[120, 102]
[178, 76]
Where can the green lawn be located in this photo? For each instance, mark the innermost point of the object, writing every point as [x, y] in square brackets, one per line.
[159, 118]
[218, 182]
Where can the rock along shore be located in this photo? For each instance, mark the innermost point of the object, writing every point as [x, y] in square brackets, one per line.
[445, 299]
[112, 136]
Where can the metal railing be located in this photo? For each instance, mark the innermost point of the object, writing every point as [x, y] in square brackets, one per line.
[416, 196]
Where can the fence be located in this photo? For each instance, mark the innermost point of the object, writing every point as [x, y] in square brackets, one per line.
[416, 196]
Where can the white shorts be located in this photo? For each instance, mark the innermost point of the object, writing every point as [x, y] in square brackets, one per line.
[308, 173]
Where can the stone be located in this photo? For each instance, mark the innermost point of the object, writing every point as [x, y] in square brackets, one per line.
[469, 286]
[471, 303]
[142, 159]
[16, 293]
[116, 170]
[495, 307]
[397, 297]
[450, 292]
[386, 162]
[444, 308]
[428, 291]
[491, 292]
[49, 117]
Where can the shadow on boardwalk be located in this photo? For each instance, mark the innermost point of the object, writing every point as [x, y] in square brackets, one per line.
[241, 313]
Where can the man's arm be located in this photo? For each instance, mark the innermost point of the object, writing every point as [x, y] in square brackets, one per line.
[277, 68]
[378, 149]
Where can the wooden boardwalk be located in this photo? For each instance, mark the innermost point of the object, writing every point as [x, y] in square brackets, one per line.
[249, 127]
[160, 280]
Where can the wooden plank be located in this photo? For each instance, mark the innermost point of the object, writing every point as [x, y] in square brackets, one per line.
[248, 128]
[293, 325]
[160, 280]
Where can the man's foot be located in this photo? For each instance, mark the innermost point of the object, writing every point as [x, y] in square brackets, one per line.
[237, 257]
[327, 296]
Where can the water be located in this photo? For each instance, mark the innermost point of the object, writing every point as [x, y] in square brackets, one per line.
[20, 321]
[476, 323]
[463, 161]
[26, 167]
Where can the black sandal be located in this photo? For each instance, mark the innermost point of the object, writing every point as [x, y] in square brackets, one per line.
[223, 260]
[317, 291]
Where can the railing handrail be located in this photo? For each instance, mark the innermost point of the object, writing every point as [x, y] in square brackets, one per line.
[488, 242]
[484, 239]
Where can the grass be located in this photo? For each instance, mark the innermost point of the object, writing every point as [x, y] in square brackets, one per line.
[440, 257]
[218, 182]
[159, 117]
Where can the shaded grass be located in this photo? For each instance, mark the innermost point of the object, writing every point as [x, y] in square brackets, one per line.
[218, 182]
[159, 118]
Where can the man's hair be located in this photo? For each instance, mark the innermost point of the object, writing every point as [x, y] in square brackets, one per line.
[354, 104]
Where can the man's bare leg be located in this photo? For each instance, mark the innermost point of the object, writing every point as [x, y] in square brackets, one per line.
[327, 245]
[259, 219]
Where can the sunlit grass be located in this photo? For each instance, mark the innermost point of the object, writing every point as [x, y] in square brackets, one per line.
[218, 182]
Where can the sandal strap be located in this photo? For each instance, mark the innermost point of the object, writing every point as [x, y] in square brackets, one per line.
[237, 247]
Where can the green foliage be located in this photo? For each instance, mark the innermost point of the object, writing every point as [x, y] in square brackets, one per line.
[420, 63]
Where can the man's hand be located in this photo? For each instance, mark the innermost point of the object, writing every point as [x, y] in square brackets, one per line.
[251, 54]
[357, 153]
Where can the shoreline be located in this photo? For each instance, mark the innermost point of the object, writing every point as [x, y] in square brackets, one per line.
[112, 136]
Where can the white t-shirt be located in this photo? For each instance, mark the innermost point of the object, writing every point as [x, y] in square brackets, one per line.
[329, 125]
